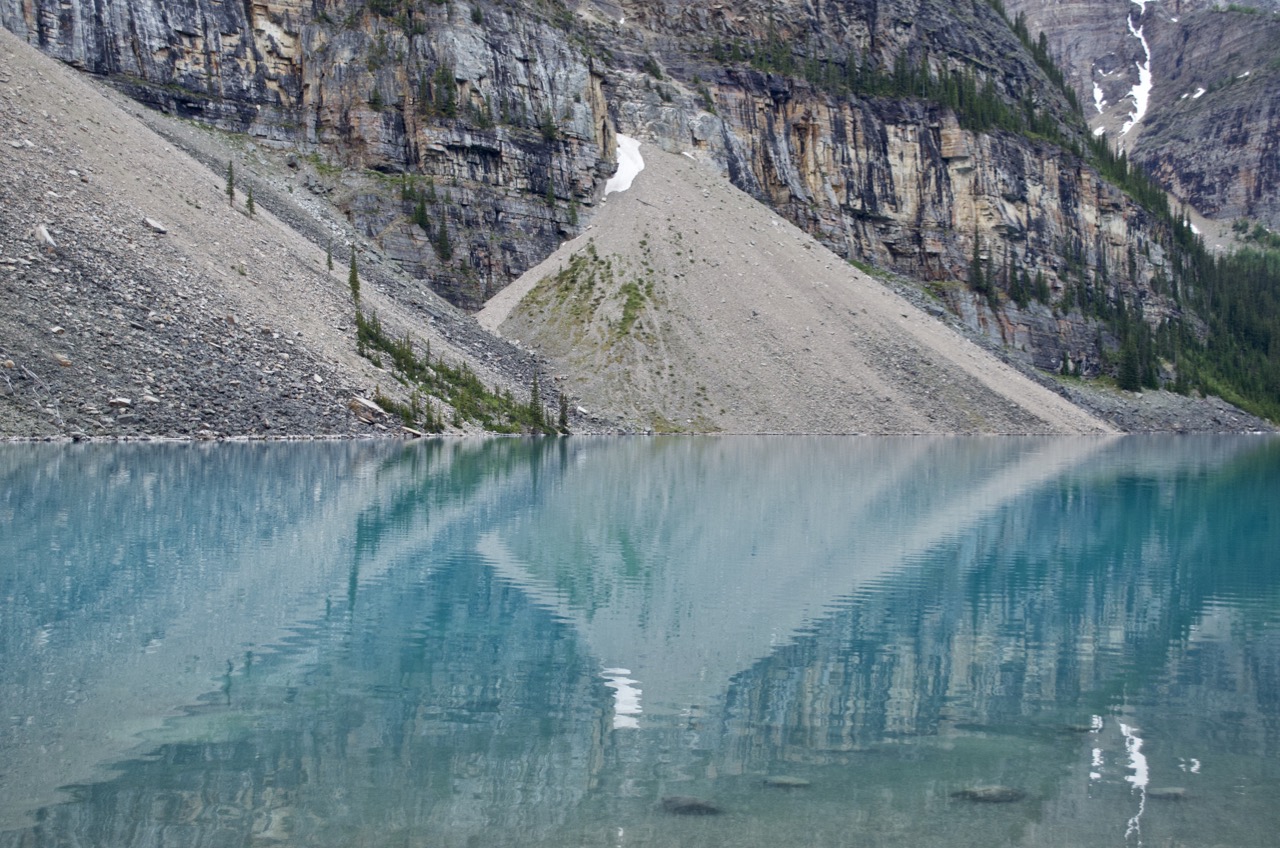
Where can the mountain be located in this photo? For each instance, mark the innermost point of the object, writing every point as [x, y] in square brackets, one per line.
[464, 142]
[137, 301]
[692, 308]
[1189, 88]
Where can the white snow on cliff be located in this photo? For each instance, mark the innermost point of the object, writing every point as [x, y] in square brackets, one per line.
[630, 163]
[1141, 92]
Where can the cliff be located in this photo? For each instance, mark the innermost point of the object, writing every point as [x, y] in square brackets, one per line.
[1189, 88]
[469, 140]
[510, 113]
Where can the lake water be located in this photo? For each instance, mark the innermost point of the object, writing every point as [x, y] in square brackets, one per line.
[532, 643]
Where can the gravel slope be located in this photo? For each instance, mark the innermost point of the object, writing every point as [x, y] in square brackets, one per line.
[744, 324]
[224, 325]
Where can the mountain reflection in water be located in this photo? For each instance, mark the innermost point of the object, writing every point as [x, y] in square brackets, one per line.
[514, 642]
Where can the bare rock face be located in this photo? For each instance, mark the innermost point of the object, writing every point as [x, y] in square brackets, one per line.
[1189, 88]
[497, 116]
[491, 128]
[899, 182]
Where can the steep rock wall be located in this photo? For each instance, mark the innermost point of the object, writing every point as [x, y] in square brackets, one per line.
[497, 123]
[499, 117]
[1212, 119]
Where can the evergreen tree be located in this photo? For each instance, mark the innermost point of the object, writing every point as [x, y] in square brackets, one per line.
[564, 412]
[420, 216]
[1130, 376]
[444, 248]
[328, 255]
[535, 402]
[353, 277]
[231, 183]
[249, 201]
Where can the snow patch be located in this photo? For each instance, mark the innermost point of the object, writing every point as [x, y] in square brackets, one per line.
[1099, 131]
[630, 163]
[1199, 93]
[1141, 92]
[1194, 228]
[1099, 99]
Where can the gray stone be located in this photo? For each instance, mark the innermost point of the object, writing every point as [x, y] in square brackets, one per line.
[990, 794]
[689, 805]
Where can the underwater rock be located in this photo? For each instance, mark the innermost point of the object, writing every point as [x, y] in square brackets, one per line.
[990, 794]
[688, 805]
[786, 781]
[1168, 793]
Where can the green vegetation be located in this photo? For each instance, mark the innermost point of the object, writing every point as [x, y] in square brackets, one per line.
[353, 277]
[442, 245]
[1259, 236]
[547, 126]
[438, 93]
[978, 105]
[633, 302]
[231, 183]
[458, 386]
[248, 202]
[1239, 297]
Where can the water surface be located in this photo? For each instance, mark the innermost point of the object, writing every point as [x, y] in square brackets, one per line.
[531, 643]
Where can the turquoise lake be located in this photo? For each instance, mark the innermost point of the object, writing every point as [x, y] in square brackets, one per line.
[534, 642]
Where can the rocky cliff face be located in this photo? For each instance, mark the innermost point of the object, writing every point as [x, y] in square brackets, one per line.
[1189, 88]
[494, 125]
[498, 118]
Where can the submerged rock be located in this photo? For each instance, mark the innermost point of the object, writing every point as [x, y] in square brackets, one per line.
[689, 805]
[1168, 793]
[786, 781]
[990, 794]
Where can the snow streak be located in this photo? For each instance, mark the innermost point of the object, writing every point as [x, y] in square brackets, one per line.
[1141, 92]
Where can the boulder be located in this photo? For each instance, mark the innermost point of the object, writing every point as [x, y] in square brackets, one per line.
[689, 805]
[990, 794]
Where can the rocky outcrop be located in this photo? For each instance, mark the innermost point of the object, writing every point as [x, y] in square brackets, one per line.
[1209, 122]
[484, 131]
[498, 116]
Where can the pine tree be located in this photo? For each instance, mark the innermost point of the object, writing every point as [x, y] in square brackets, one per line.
[535, 401]
[977, 280]
[1130, 376]
[564, 412]
[444, 248]
[353, 277]
[328, 255]
[231, 183]
[249, 201]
